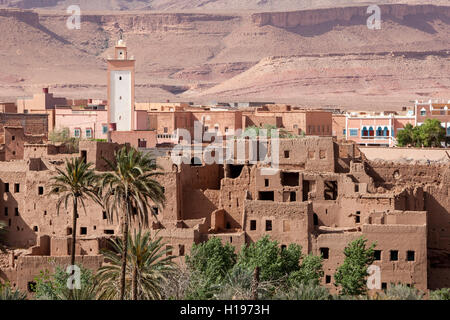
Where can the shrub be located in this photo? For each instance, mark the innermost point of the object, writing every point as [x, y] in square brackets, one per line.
[441, 294]
[402, 292]
[305, 291]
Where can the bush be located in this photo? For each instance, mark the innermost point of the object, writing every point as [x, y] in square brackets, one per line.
[305, 291]
[54, 286]
[441, 294]
[402, 292]
[7, 293]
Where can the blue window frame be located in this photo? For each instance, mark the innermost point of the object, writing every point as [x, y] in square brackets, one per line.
[105, 129]
[77, 133]
[353, 132]
[89, 133]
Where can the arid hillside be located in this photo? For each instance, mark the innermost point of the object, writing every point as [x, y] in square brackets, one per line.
[210, 5]
[315, 57]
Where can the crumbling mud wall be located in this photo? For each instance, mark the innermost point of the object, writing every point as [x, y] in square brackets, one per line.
[427, 187]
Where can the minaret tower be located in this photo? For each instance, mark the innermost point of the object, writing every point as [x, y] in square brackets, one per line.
[121, 113]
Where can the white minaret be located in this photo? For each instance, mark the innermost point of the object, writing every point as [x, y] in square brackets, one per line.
[121, 90]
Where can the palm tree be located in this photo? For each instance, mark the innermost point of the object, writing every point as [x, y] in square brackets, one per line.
[149, 267]
[77, 183]
[127, 191]
[86, 292]
[7, 293]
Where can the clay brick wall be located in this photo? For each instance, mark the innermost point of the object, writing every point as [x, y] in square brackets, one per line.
[285, 222]
[33, 124]
[133, 138]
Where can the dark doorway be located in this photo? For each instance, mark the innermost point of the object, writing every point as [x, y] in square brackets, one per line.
[293, 196]
[84, 156]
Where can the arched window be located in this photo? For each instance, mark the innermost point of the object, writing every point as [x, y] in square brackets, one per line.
[365, 133]
[371, 132]
[386, 132]
[379, 132]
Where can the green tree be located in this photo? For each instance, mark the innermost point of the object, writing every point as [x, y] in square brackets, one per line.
[148, 269]
[274, 261]
[440, 294]
[406, 137]
[432, 133]
[53, 286]
[127, 193]
[209, 263]
[351, 275]
[75, 183]
[311, 271]
[429, 134]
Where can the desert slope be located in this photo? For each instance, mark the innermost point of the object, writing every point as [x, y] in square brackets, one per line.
[199, 5]
[198, 56]
[364, 81]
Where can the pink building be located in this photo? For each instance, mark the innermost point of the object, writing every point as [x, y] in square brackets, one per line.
[84, 123]
[376, 128]
[433, 110]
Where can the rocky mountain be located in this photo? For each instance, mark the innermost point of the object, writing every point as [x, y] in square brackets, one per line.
[317, 56]
[179, 5]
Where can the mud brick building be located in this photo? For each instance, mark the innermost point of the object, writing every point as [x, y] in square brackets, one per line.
[323, 195]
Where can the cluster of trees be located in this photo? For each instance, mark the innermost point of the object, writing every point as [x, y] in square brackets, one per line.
[429, 134]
